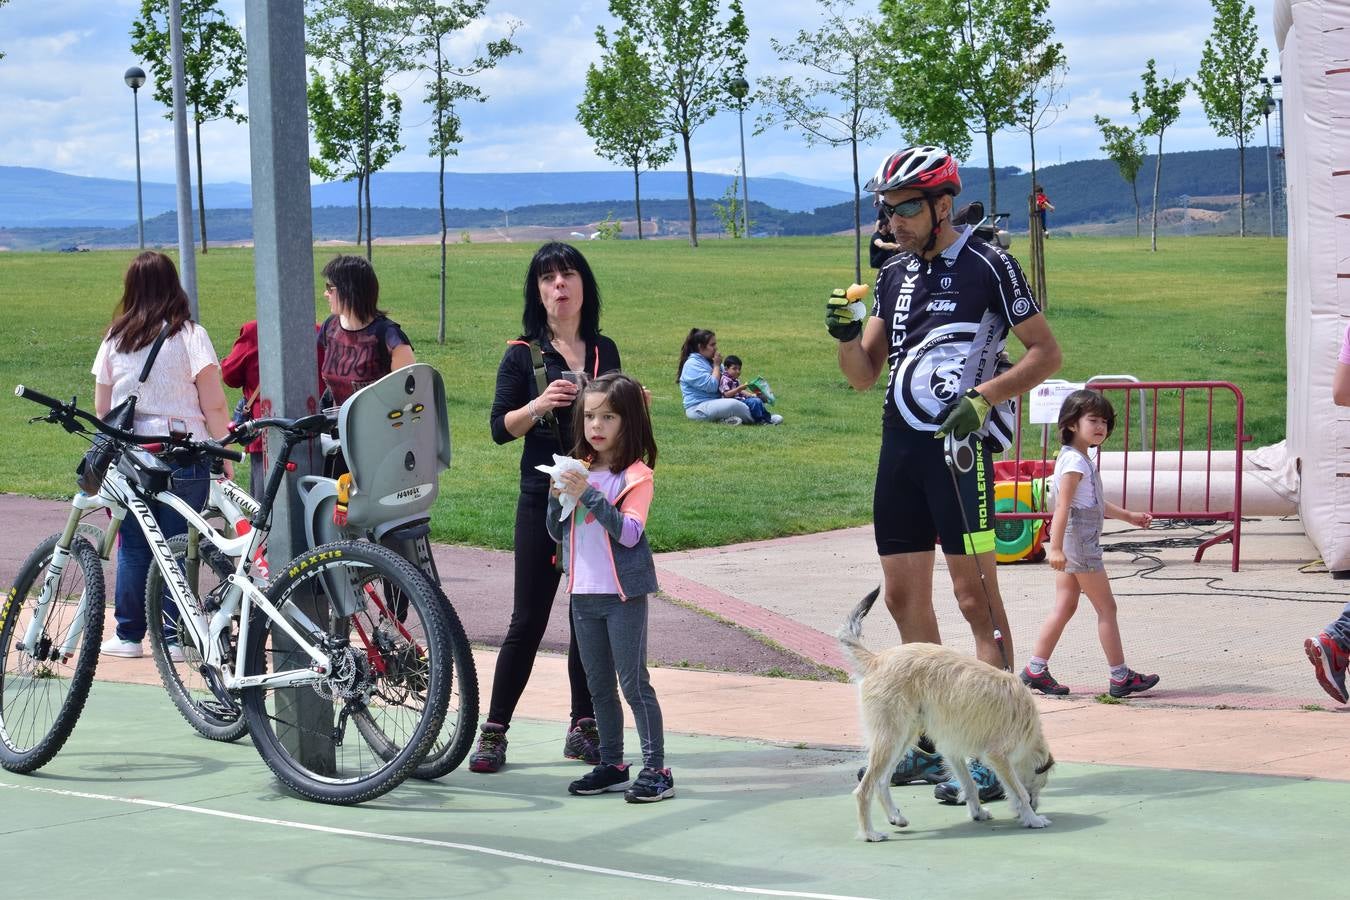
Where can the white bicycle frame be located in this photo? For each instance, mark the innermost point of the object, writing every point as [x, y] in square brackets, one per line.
[118, 496]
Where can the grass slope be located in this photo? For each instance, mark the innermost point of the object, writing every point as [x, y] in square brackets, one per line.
[1200, 308]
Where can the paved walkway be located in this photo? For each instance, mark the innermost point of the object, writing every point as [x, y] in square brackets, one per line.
[1201, 790]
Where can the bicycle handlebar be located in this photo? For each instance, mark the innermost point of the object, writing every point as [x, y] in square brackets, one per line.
[66, 413]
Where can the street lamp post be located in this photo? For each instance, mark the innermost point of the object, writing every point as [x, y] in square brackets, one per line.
[134, 78]
[1267, 109]
[738, 87]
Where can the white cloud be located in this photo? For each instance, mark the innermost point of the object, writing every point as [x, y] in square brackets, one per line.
[65, 107]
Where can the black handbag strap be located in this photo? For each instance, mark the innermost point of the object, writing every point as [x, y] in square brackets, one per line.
[154, 352]
[541, 382]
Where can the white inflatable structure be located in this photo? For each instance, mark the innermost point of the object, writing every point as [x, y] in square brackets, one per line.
[1314, 41]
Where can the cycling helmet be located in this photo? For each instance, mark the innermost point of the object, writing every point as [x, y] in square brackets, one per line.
[928, 169]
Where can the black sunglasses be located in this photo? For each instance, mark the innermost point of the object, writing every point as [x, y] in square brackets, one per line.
[905, 208]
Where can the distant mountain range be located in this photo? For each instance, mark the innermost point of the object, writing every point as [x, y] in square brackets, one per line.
[41, 198]
[47, 210]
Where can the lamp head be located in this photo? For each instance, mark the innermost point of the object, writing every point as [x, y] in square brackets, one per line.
[134, 77]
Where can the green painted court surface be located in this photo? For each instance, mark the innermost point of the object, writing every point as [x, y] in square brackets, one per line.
[137, 805]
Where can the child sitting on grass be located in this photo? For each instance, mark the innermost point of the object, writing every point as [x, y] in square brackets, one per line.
[732, 388]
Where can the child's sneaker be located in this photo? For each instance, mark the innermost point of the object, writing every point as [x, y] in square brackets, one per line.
[1330, 663]
[491, 753]
[1044, 682]
[732, 420]
[1132, 683]
[583, 742]
[601, 779]
[651, 785]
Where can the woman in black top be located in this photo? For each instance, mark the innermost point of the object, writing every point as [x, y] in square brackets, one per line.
[561, 317]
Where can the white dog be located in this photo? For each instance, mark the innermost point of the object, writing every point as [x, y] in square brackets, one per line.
[967, 708]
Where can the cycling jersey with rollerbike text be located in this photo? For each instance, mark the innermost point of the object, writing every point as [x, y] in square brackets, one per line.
[939, 312]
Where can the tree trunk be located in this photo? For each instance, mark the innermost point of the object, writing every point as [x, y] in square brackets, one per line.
[689, 186]
[989, 151]
[1134, 186]
[360, 212]
[201, 190]
[370, 176]
[637, 198]
[857, 215]
[1242, 188]
[440, 181]
[1157, 179]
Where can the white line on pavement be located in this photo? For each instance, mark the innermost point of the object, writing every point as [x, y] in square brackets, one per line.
[428, 842]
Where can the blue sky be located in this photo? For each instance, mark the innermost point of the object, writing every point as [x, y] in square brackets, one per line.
[64, 106]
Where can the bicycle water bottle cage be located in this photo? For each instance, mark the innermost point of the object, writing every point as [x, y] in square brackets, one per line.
[395, 436]
[145, 469]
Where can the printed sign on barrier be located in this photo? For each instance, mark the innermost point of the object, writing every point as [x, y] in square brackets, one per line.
[1048, 398]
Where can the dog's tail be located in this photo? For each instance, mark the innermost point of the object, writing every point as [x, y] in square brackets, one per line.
[850, 636]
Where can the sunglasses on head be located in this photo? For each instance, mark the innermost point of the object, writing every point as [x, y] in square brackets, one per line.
[905, 208]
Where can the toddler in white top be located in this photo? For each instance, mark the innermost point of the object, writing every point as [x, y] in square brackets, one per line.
[1086, 420]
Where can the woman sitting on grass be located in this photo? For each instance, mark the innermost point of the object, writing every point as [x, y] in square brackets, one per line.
[699, 376]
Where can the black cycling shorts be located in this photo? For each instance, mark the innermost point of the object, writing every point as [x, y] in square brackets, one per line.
[914, 501]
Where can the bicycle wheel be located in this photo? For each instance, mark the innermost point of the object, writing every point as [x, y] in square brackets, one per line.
[187, 687]
[388, 673]
[45, 682]
[457, 734]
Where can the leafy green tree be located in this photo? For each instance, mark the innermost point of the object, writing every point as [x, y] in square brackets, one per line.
[728, 212]
[1162, 100]
[347, 150]
[963, 66]
[621, 111]
[1126, 149]
[608, 228]
[840, 102]
[692, 55]
[367, 42]
[1229, 83]
[214, 65]
[436, 24]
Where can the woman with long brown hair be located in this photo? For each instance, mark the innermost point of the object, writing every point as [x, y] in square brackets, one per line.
[183, 394]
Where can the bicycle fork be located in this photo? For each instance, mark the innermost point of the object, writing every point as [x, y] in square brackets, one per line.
[32, 642]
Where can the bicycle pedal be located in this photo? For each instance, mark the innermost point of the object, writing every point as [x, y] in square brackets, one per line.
[221, 711]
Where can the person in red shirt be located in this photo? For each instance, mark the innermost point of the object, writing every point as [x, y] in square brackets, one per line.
[240, 370]
[1043, 205]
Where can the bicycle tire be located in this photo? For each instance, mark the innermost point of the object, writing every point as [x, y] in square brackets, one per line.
[41, 700]
[390, 672]
[460, 728]
[183, 681]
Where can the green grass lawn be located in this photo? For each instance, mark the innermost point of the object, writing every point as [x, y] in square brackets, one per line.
[1199, 309]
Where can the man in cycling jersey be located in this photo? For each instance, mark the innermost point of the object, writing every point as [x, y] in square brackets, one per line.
[939, 322]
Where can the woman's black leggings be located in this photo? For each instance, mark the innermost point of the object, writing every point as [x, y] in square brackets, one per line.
[536, 584]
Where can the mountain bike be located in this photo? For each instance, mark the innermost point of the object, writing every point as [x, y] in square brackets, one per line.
[206, 567]
[338, 667]
[394, 440]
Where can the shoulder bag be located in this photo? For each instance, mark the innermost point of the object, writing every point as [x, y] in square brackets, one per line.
[90, 472]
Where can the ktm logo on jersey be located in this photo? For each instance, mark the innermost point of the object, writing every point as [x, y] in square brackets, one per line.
[942, 306]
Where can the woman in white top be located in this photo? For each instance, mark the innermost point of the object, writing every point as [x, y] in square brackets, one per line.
[182, 394]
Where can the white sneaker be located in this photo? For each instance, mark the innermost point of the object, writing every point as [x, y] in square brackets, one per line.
[176, 653]
[115, 646]
[732, 420]
[775, 419]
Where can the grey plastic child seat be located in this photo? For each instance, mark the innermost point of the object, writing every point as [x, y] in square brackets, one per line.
[395, 436]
